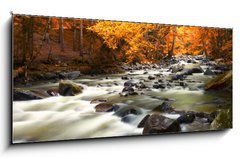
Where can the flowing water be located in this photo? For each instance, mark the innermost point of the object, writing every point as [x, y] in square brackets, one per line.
[74, 117]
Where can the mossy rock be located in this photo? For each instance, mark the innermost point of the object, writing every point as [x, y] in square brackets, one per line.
[68, 88]
[223, 120]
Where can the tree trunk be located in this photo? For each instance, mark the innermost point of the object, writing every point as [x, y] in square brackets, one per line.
[91, 41]
[61, 34]
[81, 39]
[74, 35]
[171, 52]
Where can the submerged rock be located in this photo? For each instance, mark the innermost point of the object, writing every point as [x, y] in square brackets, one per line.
[156, 124]
[68, 88]
[128, 110]
[223, 81]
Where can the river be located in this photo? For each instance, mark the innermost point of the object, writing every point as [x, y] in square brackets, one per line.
[74, 117]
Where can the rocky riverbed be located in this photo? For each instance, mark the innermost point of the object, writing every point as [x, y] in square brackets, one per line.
[191, 93]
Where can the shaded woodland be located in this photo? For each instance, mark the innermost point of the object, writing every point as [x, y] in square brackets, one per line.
[47, 44]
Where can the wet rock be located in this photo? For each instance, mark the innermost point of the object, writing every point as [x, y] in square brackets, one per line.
[128, 89]
[183, 84]
[141, 85]
[164, 107]
[53, 92]
[209, 72]
[191, 68]
[145, 72]
[178, 77]
[223, 81]
[206, 117]
[98, 101]
[50, 75]
[223, 120]
[73, 74]
[143, 121]
[151, 77]
[187, 117]
[156, 124]
[23, 95]
[130, 83]
[176, 68]
[125, 78]
[160, 86]
[68, 88]
[106, 107]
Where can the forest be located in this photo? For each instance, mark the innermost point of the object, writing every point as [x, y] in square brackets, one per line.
[86, 78]
[95, 46]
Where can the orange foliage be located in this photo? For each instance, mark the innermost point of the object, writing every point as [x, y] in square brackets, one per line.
[152, 42]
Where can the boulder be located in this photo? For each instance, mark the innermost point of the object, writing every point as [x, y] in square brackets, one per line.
[177, 68]
[23, 95]
[98, 101]
[209, 72]
[141, 85]
[151, 77]
[187, 117]
[130, 83]
[68, 88]
[52, 92]
[223, 81]
[223, 120]
[164, 107]
[191, 68]
[128, 89]
[159, 86]
[178, 77]
[73, 74]
[125, 78]
[50, 75]
[206, 117]
[156, 124]
[106, 107]
[143, 121]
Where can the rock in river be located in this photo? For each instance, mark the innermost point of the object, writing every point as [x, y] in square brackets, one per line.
[156, 124]
[223, 81]
[22, 95]
[187, 117]
[209, 72]
[68, 88]
[164, 107]
[106, 107]
[191, 68]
